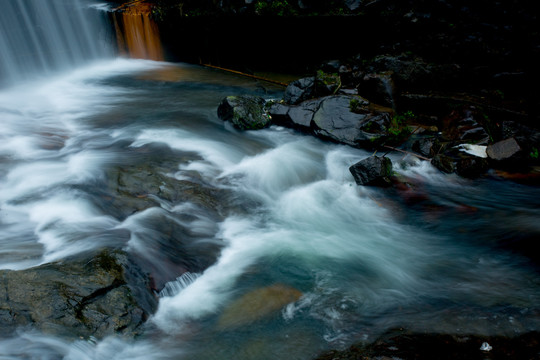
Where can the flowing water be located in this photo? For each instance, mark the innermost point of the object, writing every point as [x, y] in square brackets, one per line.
[295, 260]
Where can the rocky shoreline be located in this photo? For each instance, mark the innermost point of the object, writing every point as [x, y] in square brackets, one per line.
[363, 105]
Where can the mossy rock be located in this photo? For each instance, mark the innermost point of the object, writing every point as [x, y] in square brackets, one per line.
[245, 112]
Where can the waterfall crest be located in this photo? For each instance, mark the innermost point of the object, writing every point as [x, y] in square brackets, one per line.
[39, 37]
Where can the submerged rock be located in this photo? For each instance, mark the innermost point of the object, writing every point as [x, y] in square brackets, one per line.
[93, 295]
[245, 112]
[373, 170]
[257, 304]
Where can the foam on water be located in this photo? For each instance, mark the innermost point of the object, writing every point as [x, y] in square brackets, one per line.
[47, 149]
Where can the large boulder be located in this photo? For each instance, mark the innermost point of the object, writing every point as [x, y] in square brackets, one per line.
[94, 295]
[245, 112]
[350, 120]
[504, 150]
[373, 170]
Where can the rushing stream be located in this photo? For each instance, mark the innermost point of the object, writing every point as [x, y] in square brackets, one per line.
[297, 259]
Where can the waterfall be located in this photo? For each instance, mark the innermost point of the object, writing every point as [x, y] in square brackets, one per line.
[39, 37]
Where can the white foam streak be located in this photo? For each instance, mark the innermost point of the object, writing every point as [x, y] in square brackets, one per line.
[217, 155]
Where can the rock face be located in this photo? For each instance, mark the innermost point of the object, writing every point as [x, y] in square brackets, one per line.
[299, 90]
[503, 150]
[373, 170]
[245, 112]
[347, 120]
[99, 295]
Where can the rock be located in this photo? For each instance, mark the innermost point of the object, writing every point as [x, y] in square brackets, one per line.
[299, 90]
[373, 170]
[403, 344]
[426, 146]
[336, 120]
[245, 112]
[471, 166]
[301, 116]
[444, 163]
[460, 162]
[464, 125]
[504, 150]
[378, 88]
[408, 72]
[86, 295]
[279, 113]
[256, 305]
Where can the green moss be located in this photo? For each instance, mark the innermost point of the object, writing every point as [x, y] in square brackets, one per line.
[328, 78]
[276, 8]
[398, 129]
[354, 105]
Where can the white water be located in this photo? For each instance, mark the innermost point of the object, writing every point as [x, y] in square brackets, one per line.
[39, 37]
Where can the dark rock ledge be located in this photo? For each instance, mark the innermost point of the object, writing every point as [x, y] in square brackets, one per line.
[404, 345]
[87, 295]
[388, 103]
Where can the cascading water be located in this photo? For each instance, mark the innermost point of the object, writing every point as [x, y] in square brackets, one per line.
[40, 37]
[262, 244]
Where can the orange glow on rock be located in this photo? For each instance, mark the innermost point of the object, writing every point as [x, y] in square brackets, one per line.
[137, 34]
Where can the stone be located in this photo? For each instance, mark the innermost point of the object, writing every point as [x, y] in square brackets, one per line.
[378, 88]
[95, 295]
[336, 120]
[373, 170]
[503, 150]
[301, 116]
[444, 163]
[245, 112]
[471, 166]
[257, 304]
[425, 146]
[299, 90]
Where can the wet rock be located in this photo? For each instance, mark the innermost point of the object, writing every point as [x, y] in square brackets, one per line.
[406, 345]
[378, 88]
[373, 170]
[86, 295]
[444, 163]
[408, 72]
[257, 304]
[464, 125]
[135, 188]
[464, 164]
[471, 166]
[504, 150]
[245, 112]
[302, 115]
[349, 120]
[299, 90]
[426, 146]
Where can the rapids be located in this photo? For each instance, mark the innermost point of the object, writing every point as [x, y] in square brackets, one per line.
[349, 262]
